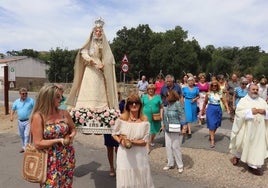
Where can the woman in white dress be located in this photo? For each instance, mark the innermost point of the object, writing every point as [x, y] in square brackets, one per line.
[94, 84]
[131, 131]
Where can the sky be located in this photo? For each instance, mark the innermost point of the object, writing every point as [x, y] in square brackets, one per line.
[43, 25]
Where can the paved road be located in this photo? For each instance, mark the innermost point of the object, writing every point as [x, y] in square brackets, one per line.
[92, 165]
[91, 168]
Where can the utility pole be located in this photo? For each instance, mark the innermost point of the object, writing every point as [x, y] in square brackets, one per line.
[6, 88]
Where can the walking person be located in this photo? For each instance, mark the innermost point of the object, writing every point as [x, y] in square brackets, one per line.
[222, 84]
[263, 88]
[203, 87]
[53, 129]
[23, 106]
[191, 95]
[142, 85]
[159, 83]
[131, 131]
[213, 110]
[249, 134]
[240, 92]
[170, 85]
[152, 104]
[173, 113]
[230, 87]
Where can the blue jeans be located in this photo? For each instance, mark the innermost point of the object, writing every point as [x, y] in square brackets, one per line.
[24, 132]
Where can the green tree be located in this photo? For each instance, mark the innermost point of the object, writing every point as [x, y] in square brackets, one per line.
[61, 65]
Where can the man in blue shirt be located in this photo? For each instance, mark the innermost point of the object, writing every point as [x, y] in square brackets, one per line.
[23, 106]
[170, 85]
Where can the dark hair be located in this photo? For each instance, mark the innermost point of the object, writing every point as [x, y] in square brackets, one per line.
[132, 98]
[172, 96]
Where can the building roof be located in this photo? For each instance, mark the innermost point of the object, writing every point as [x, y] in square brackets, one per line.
[12, 58]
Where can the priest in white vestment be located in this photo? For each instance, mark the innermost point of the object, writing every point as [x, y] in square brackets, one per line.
[249, 136]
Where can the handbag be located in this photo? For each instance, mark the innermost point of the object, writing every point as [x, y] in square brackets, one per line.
[156, 117]
[34, 167]
[174, 128]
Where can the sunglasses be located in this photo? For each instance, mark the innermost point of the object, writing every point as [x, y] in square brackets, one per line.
[244, 84]
[58, 96]
[214, 85]
[132, 102]
[24, 93]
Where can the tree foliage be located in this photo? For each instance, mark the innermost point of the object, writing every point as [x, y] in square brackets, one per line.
[169, 52]
[61, 63]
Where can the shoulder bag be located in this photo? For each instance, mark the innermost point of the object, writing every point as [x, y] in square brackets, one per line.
[156, 116]
[174, 127]
[34, 168]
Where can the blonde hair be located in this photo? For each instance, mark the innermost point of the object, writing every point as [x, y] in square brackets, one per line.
[202, 75]
[45, 100]
[151, 86]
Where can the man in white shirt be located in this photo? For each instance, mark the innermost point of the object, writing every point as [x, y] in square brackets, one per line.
[142, 85]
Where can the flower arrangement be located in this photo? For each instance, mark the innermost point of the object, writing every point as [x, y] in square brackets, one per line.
[106, 117]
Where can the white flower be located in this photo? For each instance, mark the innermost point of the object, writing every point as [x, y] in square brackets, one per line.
[105, 116]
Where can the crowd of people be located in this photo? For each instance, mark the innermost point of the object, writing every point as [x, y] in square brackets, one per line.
[204, 101]
[161, 105]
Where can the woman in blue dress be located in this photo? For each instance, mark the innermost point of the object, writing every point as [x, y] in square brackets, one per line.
[191, 95]
[213, 101]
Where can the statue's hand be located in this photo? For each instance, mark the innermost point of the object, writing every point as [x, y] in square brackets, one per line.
[101, 66]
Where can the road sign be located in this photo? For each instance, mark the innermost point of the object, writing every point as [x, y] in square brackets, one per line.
[124, 65]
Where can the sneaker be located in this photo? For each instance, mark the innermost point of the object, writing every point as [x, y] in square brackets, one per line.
[152, 144]
[168, 167]
[180, 170]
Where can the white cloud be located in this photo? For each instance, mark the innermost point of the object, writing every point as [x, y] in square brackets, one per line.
[46, 24]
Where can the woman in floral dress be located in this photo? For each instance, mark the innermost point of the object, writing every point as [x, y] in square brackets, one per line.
[54, 130]
[203, 86]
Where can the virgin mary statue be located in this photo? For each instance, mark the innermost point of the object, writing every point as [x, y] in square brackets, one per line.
[94, 85]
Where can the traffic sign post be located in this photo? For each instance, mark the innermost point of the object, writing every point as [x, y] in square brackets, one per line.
[124, 69]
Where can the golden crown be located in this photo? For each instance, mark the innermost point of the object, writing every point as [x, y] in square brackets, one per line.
[99, 22]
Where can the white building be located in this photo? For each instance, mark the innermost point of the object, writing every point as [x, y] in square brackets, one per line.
[23, 71]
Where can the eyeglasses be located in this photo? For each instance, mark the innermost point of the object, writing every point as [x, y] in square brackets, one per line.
[134, 102]
[24, 93]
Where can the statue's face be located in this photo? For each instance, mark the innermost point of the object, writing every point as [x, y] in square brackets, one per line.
[98, 32]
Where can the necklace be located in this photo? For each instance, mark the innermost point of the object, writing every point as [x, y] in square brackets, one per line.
[133, 119]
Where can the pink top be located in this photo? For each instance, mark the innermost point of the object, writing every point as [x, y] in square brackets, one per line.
[203, 87]
[158, 86]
